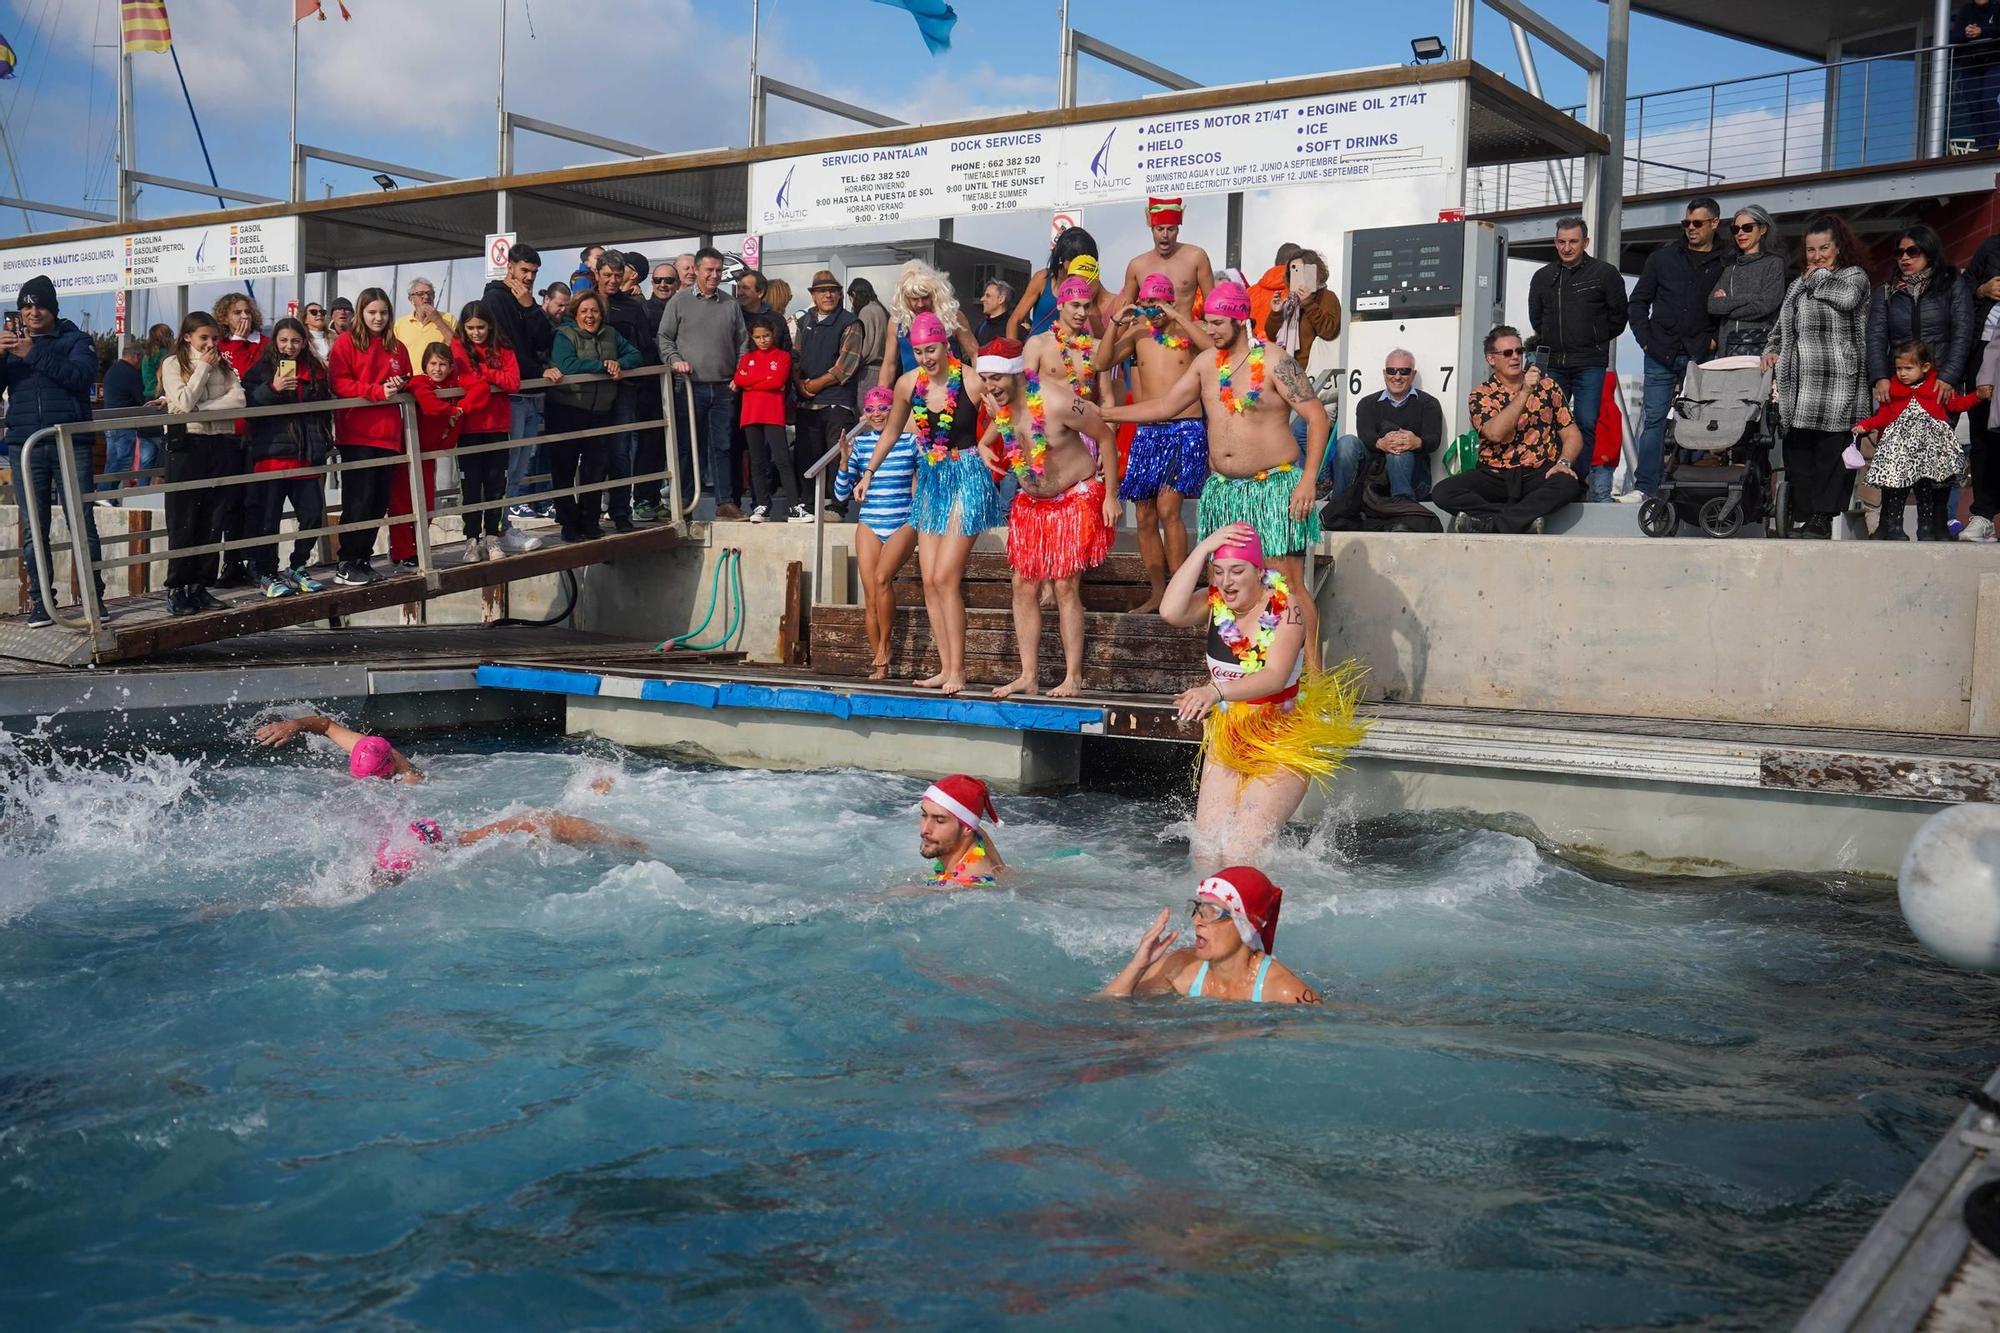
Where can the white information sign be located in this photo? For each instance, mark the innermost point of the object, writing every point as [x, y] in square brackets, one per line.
[226, 252]
[497, 245]
[1405, 131]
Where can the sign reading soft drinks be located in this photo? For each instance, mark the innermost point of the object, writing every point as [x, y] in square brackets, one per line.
[1337, 138]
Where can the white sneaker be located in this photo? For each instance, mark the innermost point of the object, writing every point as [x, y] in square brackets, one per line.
[475, 550]
[1979, 530]
[800, 514]
[757, 515]
[516, 542]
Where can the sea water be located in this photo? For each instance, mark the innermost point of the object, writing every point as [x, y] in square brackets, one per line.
[731, 1080]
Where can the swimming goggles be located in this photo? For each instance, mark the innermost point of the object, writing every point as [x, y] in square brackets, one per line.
[1206, 912]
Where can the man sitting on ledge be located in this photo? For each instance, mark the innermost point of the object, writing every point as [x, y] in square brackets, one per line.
[1528, 447]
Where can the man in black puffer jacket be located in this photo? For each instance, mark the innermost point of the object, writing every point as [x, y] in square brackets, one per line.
[625, 312]
[1671, 324]
[519, 317]
[47, 367]
[1576, 304]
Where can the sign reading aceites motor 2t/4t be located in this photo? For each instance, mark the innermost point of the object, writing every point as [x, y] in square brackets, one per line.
[1346, 137]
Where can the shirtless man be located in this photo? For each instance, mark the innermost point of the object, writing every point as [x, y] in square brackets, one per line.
[961, 853]
[1169, 459]
[1062, 518]
[1187, 265]
[1255, 473]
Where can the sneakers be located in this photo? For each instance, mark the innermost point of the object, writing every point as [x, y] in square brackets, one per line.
[757, 515]
[354, 573]
[1978, 530]
[522, 513]
[301, 580]
[622, 524]
[728, 513]
[645, 512]
[799, 514]
[402, 567]
[277, 587]
[475, 550]
[39, 618]
[516, 542]
[178, 603]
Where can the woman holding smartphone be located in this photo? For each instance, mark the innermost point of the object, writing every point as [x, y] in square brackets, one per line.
[289, 371]
[196, 377]
[367, 362]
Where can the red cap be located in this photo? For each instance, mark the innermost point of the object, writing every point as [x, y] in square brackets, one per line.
[1253, 902]
[1163, 212]
[964, 798]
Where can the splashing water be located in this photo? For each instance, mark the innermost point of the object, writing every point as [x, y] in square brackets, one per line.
[732, 1080]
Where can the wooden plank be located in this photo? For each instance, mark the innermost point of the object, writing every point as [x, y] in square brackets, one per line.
[791, 642]
[137, 520]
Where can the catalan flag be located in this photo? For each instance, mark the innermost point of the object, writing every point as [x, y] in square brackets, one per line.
[315, 9]
[145, 26]
[6, 58]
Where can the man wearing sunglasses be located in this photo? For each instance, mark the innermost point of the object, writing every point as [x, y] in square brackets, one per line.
[1671, 324]
[1576, 304]
[1528, 447]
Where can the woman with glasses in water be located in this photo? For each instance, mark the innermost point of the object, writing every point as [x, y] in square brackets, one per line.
[1233, 919]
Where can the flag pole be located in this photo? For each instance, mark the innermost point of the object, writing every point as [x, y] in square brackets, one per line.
[297, 184]
[756, 102]
[124, 131]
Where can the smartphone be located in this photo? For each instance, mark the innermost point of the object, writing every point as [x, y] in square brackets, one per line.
[1540, 360]
[14, 322]
[287, 366]
[1304, 276]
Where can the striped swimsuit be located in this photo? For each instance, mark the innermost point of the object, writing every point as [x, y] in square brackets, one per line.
[887, 507]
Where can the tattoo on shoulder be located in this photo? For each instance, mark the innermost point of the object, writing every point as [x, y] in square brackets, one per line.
[1293, 380]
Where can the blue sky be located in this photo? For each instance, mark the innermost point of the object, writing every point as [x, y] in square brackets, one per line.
[414, 82]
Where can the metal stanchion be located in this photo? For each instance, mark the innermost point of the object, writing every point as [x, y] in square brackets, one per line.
[419, 511]
[78, 508]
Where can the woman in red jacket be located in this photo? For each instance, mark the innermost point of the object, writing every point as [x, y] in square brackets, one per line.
[761, 377]
[481, 351]
[366, 362]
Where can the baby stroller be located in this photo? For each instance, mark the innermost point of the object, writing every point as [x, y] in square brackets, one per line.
[1719, 443]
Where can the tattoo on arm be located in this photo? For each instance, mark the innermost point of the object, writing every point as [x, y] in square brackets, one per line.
[1294, 615]
[1292, 381]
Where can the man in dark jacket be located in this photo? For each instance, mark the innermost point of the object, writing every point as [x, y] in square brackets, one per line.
[824, 368]
[125, 389]
[666, 281]
[1577, 307]
[626, 313]
[1671, 324]
[518, 316]
[47, 367]
[1982, 279]
[1975, 63]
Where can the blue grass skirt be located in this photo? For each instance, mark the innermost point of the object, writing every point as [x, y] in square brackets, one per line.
[956, 496]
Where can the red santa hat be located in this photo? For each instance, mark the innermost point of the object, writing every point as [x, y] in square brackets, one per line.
[964, 799]
[1253, 902]
[1001, 356]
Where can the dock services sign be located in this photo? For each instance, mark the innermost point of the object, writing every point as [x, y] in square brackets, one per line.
[1339, 138]
[224, 252]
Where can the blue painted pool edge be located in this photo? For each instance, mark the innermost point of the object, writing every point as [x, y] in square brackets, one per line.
[1065, 718]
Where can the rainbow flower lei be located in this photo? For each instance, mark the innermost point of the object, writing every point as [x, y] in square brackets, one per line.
[1083, 343]
[967, 871]
[920, 412]
[1173, 342]
[1230, 401]
[1253, 652]
[1033, 461]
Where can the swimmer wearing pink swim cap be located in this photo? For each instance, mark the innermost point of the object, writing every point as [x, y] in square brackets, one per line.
[367, 756]
[402, 852]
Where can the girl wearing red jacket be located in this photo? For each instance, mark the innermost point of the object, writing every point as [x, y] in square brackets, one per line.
[367, 362]
[439, 421]
[242, 346]
[1919, 450]
[481, 352]
[761, 377]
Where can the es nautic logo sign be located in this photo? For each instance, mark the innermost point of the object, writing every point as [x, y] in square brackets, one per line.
[781, 209]
[1100, 178]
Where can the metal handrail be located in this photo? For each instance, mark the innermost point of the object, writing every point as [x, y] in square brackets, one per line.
[818, 474]
[77, 505]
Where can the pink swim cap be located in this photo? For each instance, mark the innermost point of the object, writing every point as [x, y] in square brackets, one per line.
[399, 855]
[1229, 301]
[878, 398]
[1251, 551]
[1072, 288]
[1156, 287]
[372, 757]
[926, 329]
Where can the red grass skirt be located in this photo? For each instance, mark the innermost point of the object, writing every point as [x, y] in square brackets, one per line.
[1058, 537]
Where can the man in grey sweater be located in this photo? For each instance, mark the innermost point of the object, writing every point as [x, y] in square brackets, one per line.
[701, 336]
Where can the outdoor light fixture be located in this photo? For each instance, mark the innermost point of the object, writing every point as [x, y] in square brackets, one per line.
[388, 182]
[1427, 48]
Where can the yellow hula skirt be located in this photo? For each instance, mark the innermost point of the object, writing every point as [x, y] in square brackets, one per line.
[1311, 738]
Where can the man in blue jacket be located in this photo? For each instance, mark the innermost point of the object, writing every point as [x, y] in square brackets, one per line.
[47, 367]
[1670, 322]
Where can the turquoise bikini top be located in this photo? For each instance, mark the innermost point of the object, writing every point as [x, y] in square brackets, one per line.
[1256, 991]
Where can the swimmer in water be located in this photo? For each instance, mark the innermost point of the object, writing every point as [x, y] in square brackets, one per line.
[1235, 918]
[961, 853]
[400, 855]
[367, 756]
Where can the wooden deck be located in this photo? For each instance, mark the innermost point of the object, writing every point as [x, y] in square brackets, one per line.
[139, 627]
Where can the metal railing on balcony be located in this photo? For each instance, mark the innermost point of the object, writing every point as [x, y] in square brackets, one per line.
[1866, 112]
[88, 611]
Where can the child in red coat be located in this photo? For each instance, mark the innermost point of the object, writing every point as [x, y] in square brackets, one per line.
[438, 424]
[1918, 450]
[761, 378]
